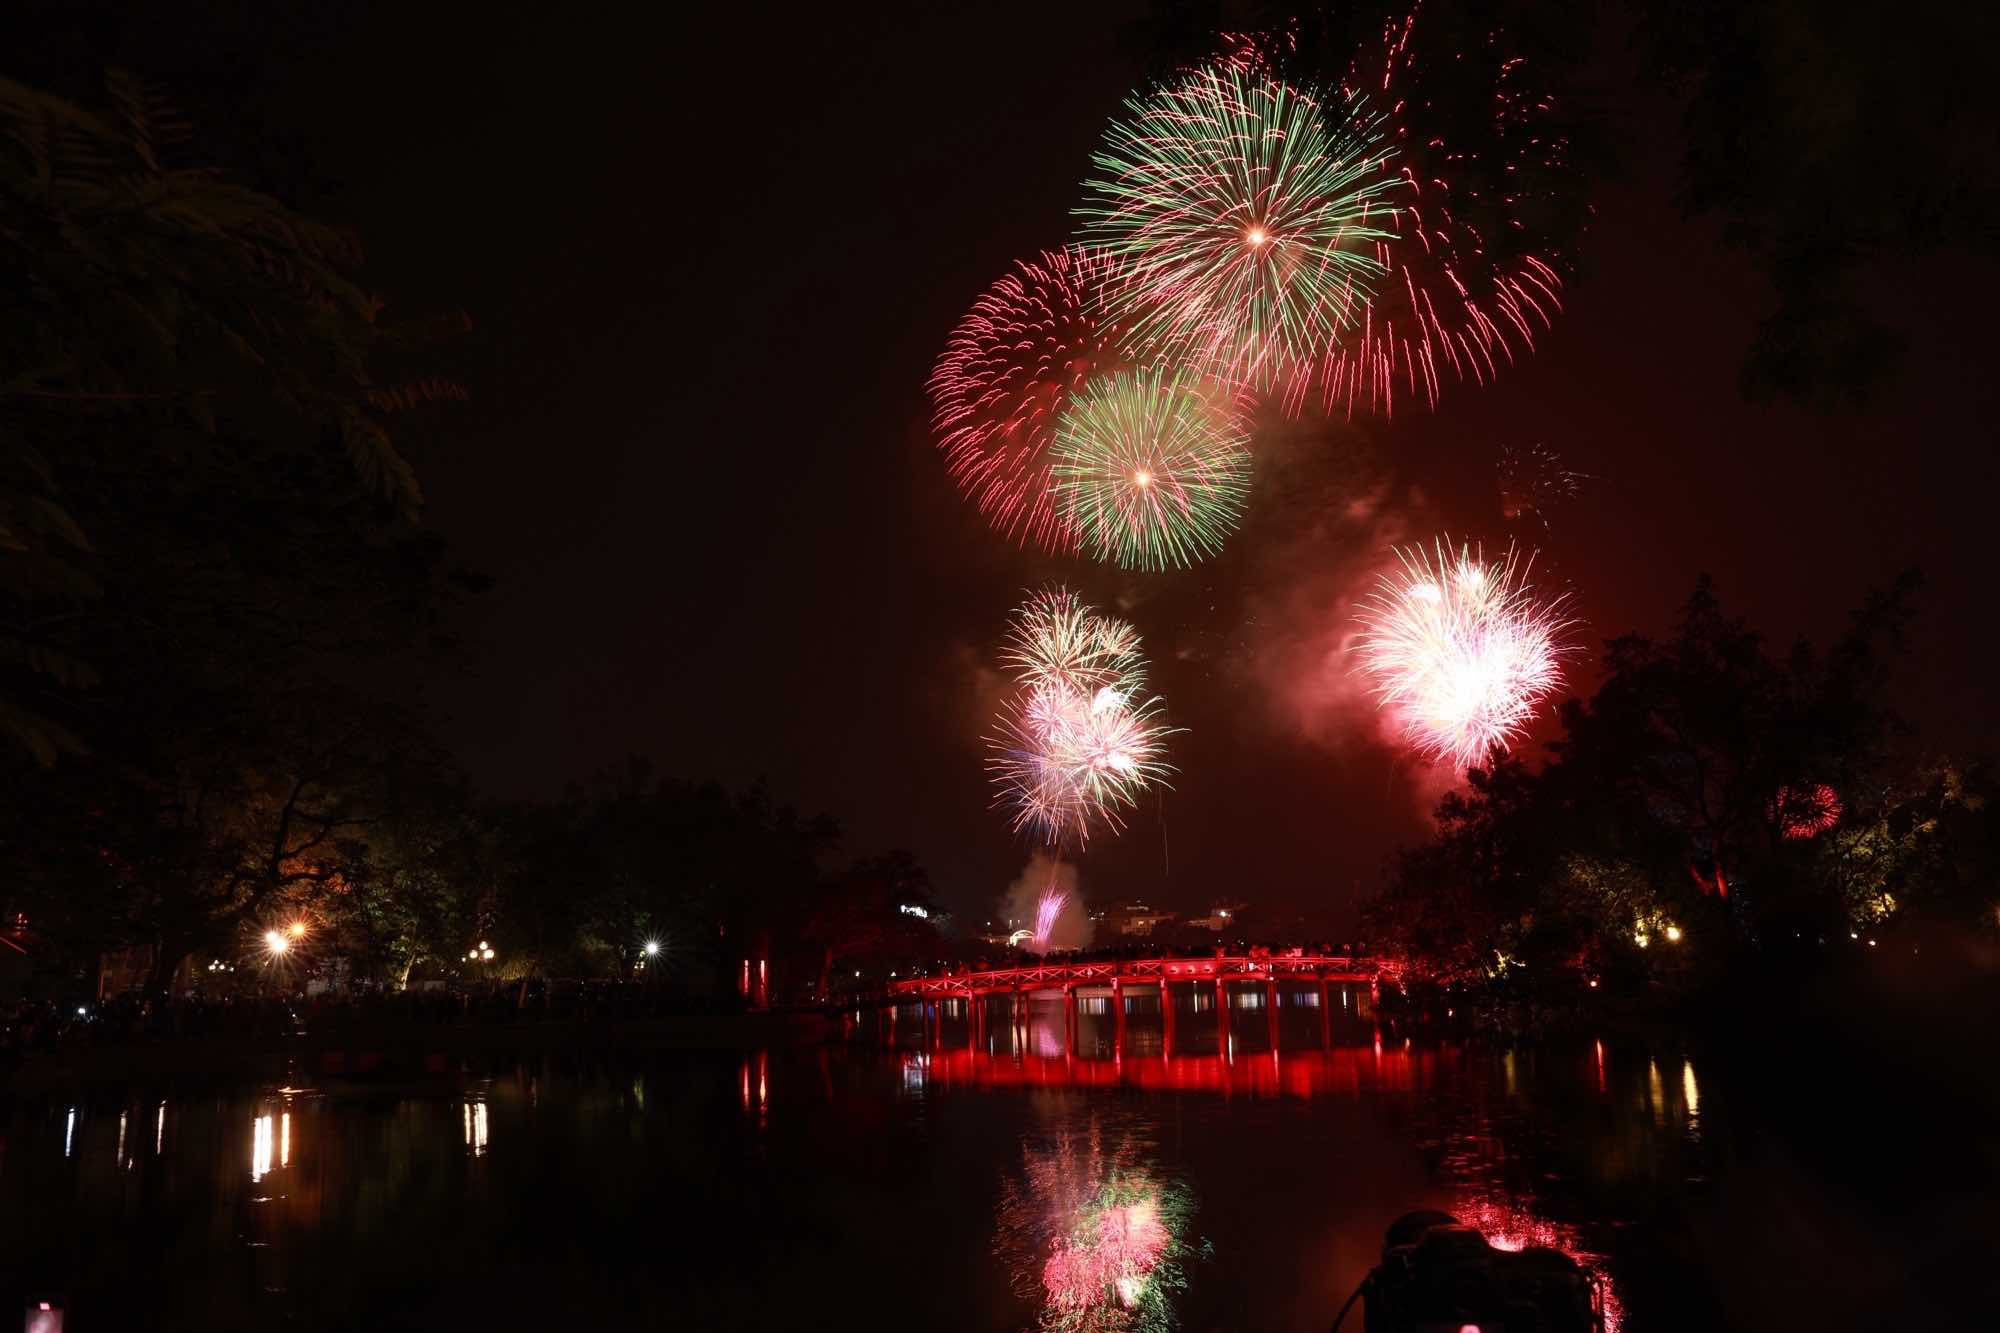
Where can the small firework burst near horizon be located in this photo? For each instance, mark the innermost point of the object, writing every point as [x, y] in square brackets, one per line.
[1080, 738]
[1463, 651]
[1151, 470]
[1244, 215]
[1047, 910]
[1009, 369]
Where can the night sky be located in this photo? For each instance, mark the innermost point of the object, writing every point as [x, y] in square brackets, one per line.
[709, 267]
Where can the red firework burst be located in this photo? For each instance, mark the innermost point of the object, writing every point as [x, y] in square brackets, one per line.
[1806, 811]
[1006, 374]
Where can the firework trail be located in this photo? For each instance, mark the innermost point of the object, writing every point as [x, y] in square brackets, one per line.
[1080, 738]
[1007, 372]
[1245, 215]
[1150, 470]
[1047, 910]
[1464, 651]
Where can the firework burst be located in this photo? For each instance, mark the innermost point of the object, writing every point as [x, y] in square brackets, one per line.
[1463, 650]
[1006, 374]
[1244, 214]
[1471, 269]
[1080, 738]
[1150, 470]
[1806, 811]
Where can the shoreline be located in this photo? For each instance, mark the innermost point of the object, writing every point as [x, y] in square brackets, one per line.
[364, 1052]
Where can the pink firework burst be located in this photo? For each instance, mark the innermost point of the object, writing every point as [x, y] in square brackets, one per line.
[1462, 650]
[1079, 738]
[1047, 910]
[1006, 374]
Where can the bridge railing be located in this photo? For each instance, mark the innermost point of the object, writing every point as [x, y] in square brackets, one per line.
[1068, 974]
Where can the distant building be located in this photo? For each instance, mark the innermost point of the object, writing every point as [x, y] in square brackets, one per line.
[1221, 916]
[1002, 934]
[1134, 919]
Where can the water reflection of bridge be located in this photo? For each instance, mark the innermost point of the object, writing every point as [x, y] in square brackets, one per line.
[1144, 1007]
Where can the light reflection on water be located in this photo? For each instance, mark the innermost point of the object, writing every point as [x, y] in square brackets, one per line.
[1164, 1183]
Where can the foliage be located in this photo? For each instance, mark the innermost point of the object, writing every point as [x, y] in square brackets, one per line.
[1659, 818]
[157, 322]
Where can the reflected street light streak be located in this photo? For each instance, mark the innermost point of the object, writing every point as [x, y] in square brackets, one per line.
[475, 1128]
[260, 1149]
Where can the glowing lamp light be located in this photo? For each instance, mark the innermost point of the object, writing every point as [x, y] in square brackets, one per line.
[298, 929]
[276, 942]
[652, 948]
[1673, 934]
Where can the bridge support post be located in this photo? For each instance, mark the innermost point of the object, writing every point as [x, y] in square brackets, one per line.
[1167, 1018]
[1117, 1019]
[1221, 1017]
[1325, 1014]
[1271, 1000]
[1069, 1018]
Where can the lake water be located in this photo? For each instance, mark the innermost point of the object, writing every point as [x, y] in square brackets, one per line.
[965, 1181]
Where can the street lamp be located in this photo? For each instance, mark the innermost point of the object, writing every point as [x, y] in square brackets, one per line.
[652, 948]
[276, 942]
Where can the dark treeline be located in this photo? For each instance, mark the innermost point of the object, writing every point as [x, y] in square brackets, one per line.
[1714, 806]
[219, 609]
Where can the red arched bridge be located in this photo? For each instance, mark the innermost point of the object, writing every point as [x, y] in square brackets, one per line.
[1120, 972]
[1212, 988]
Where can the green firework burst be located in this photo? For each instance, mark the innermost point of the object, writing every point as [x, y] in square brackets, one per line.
[1150, 469]
[1247, 216]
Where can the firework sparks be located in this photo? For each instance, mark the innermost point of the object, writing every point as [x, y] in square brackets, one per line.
[1533, 481]
[1470, 273]
[1245, 215]
[1150, 470]
[1463, 650]
[1050, 907]
[1080, 738]
[1006, 374]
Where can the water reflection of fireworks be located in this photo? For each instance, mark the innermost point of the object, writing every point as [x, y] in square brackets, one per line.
[1094, 1236]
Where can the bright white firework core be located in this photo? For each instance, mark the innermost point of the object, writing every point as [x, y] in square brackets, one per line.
[1462, 651]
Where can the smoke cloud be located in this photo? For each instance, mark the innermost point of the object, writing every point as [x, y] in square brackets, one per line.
[1072, 929]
